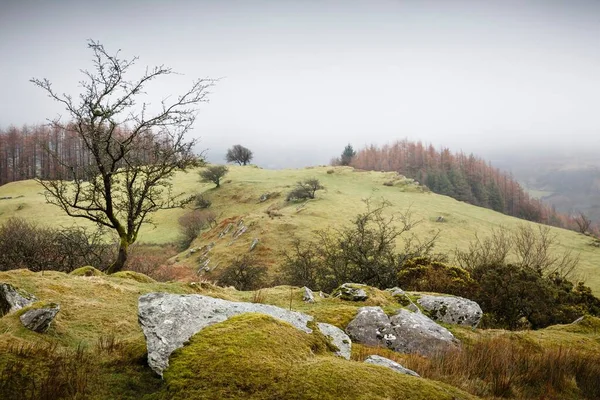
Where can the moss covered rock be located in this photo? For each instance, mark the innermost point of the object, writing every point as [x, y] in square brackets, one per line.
[254, 356]
[88, 270]
[136, 276]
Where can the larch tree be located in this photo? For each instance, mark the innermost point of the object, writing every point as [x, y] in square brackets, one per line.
[133, 151]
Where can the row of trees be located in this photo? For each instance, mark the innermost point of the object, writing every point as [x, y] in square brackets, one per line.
[464, 177]
[52, 152]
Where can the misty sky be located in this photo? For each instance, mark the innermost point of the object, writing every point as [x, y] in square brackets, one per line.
[300, 79]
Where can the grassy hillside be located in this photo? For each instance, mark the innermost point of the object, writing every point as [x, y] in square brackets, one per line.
[238, 199]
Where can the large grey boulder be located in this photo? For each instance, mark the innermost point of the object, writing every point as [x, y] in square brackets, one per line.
[391, 364]
[405, 332]
[351, 292]
[452, 310]
[13, 299]
[39, 319]
[369, 326]
[416, 333]
[339, 339]
[169, 320]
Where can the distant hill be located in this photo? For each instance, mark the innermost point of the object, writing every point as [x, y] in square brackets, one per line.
[345, 188]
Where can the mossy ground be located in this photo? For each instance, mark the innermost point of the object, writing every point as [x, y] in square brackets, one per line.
[238, 198]
[96, 344]
[257, 357]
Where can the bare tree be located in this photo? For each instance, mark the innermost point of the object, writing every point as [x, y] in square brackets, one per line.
[134, 152]
[239, 154]
[582, 221]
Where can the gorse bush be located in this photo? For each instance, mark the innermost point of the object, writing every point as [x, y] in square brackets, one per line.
[426, 275]
[24, 244]
[523, 281]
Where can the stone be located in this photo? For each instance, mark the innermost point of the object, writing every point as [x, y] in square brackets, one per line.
[416, 333]
[308, 295]
[339, 339]
[351, 292]
[39, 319]
[405, 332]
[391, 364]
[13, 299]
[170, 320]
[452, 310]
[369, 326]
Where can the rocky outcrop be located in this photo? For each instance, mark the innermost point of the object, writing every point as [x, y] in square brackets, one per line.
[38, 319]
[351, 292]
[339, 339]
[308, 295]
[451, 310]
[169, 320]
[386, 362]
[13, 299]
[405, 332]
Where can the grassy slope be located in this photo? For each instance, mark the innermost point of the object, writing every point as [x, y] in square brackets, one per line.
[334, 207]
[96, 308]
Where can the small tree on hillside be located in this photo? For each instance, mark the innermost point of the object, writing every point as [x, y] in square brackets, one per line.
[305, 189]
[239, 154]
[347, 155]
[583, 222]
[214, 174]
[134, 152]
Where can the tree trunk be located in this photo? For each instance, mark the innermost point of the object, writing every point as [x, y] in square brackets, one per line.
[121, 258]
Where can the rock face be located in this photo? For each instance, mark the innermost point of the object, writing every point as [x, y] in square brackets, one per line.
[338, 338]
[405, 332]
[39, 319]
[452, 310]
[308, 295]
[386, 362]
[169, 320]
[13, 299]
[351, 292]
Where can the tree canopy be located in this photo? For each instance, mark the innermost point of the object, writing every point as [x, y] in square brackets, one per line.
[133, 151]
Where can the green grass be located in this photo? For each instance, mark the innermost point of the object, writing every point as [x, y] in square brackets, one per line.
[334, 207]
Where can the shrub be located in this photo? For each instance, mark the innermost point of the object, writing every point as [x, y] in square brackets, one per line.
[243, 274]
[150, 259]
[533, 290]
[305, 190]
[364, 252]
[213, 174]
[24, 244]
[201, 202]
[192, 223]
[424, 274]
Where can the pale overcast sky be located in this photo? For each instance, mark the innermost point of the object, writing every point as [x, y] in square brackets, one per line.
[300, 79]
